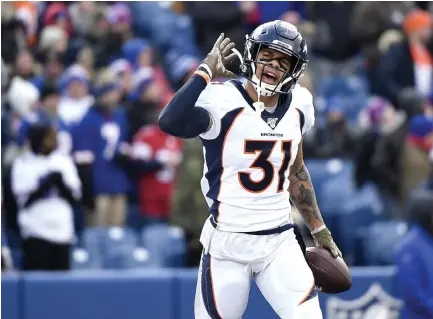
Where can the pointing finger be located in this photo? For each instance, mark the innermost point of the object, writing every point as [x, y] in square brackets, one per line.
[218, 41]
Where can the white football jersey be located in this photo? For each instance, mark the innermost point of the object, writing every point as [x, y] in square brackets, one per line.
[248, 156]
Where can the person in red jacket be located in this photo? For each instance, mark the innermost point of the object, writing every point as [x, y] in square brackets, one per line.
[163, 153]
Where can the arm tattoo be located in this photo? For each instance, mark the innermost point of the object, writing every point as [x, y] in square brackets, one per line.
[303, 197]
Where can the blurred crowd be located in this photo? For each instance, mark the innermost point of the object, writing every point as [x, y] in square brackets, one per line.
[100, 72]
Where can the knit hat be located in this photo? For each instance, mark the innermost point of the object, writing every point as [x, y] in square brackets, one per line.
[142, 78]
[376, 106]
[74, 73]
[118, 13]
[420, 128]
[132, 49]
[120, 66]
[416, 20]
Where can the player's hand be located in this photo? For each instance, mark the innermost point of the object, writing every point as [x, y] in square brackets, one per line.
[324, 239]
[219, 57]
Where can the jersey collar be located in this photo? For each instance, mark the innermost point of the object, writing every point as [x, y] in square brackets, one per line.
[283, 104]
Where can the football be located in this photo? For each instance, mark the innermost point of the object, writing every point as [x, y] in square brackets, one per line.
[331, 274]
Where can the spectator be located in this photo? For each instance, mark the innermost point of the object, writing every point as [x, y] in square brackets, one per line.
[370, 21]
[123, 70]
[53, 66]
[408, 64]
[13, 34]
[416, 164]
[379, 155]
[140, 55]
[414, 260]
[76, 98]
[46, 187]
[158, 23]
[97, 35]
[98, 142]
[334, 139]
[430, 179]
[209, 23]
[119, 17]
[24, 65]
[53, 38]
[163, 154]
[412, 103]
[145, 100]
[86, 59]
[332, 45]
[116, 27]
[82, 14]
[57, 14]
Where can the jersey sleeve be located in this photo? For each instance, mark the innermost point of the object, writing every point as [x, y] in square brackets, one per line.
[22, 178]
[307, 108]
[208, 100]
[64, 164]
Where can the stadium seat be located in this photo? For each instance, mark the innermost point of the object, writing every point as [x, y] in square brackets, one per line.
[359, 210]
[323, 171]
[113, 246]
[139, 258]
[82, 260]
[117, 245]
[380, 241]
[91, 241]
[166, 244]
[345, 94]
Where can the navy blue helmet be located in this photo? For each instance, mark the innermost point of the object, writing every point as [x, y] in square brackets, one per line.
[280, 36]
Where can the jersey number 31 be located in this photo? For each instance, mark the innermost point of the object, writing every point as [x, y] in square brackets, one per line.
[262, 162]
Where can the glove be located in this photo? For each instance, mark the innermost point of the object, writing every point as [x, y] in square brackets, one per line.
[324, 239]
[218, 58]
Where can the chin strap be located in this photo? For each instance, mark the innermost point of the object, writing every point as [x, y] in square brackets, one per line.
[259, 106]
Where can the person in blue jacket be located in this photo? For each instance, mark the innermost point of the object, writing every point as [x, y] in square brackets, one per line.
[414, 260]
[96, 143]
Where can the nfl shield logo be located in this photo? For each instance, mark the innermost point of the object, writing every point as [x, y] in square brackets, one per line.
[272, 122]
[374, 304]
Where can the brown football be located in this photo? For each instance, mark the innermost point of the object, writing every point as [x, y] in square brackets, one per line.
[331, 274]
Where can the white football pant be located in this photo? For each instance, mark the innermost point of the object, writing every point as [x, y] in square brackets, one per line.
[275, 262]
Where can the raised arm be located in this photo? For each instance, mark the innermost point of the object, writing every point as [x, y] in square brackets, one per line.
[181, 117]
[303, 197]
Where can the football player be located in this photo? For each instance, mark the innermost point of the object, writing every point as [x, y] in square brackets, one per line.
[252, 143]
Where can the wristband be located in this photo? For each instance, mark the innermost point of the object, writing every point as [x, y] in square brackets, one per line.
[318, 230]
[206, 69]
[204, 75]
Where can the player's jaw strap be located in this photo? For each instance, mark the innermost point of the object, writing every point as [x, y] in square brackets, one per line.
[271, 231]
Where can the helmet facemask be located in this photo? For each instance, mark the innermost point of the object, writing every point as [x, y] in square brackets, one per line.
[289, 78]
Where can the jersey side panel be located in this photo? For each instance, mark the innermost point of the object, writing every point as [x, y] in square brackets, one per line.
[214, 166]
